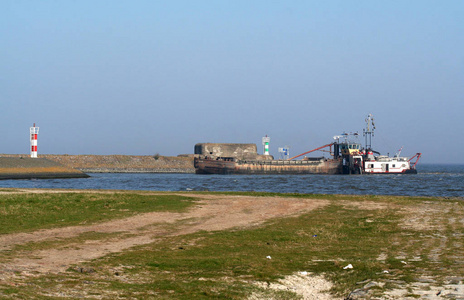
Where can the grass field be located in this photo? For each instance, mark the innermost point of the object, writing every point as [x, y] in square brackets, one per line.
[394, 242]
[32, 211]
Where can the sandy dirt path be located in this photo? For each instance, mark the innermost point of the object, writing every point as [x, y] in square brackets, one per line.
[212, 212]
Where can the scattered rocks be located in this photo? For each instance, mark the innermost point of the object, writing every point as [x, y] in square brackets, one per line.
[454, 280]
[455, 296]
[84, 270]
[363, 292]
[309, 286]
[373, 284]
[423, 288]
[363, 282]
[426, 290]
[358, 294]
[424, 280]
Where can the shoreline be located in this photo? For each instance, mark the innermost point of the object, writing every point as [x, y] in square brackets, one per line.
[35, 168]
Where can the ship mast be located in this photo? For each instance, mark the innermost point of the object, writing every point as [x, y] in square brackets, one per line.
[368, 132]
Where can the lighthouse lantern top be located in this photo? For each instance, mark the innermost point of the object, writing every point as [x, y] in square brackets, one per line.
[34, 130]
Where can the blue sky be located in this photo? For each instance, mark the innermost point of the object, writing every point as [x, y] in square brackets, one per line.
[146, 77]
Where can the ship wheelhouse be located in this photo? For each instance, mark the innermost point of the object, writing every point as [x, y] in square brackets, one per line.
[349, 148]
[352, 154]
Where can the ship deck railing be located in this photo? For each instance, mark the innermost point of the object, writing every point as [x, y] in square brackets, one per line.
[280, 162]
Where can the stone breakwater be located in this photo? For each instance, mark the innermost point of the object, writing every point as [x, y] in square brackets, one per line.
[123, 163]
[31, 168]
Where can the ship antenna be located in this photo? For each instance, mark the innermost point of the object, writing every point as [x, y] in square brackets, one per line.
[368, 132]
[399, 152]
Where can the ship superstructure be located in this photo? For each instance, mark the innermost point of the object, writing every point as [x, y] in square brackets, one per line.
[365, 160]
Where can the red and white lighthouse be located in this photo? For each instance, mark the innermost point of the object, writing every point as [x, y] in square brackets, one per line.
[34, 133]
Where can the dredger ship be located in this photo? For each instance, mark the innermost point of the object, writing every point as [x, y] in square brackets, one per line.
[347, 157]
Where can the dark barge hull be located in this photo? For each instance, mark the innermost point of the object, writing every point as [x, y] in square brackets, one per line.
[231, 166]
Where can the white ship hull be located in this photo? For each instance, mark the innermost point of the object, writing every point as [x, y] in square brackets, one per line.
[388, 165]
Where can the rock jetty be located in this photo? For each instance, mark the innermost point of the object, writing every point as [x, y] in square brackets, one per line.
[35, 168]
[123, 163]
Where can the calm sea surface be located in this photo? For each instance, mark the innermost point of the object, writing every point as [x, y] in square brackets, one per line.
[432, 180]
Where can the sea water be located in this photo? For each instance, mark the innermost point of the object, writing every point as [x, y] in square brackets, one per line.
[436, 180]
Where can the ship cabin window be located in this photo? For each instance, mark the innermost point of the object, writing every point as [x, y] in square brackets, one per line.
[371, 166]
[393, 165]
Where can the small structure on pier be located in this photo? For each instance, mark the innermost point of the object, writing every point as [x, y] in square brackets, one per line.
[34, 133]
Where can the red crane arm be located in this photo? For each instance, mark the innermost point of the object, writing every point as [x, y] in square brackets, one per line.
[417, 155]
[328, 145]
